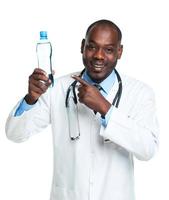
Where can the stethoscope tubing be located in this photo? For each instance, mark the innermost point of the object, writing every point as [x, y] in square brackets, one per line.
[116, 99]
[72, 88]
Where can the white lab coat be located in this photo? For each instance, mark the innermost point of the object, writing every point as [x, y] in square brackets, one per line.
[90, 168]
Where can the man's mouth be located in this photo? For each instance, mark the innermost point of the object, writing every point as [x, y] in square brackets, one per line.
[98, 67]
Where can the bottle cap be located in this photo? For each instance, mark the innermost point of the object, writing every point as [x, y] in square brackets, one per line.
[43, 35]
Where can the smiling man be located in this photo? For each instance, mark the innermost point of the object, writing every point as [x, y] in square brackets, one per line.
[101, 49]
[100, 120]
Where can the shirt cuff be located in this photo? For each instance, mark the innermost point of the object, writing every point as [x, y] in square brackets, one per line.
[105, 120]
[23, 106]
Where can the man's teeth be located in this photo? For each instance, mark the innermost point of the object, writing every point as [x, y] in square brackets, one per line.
[98, 66]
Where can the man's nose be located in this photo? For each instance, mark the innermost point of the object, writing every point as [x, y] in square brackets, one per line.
[99, 54]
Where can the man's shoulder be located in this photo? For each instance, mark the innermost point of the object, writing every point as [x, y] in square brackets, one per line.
[67, 76]
[65, 80]
[133, 83]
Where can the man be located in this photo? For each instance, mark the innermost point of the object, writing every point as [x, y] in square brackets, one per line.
[96, 138]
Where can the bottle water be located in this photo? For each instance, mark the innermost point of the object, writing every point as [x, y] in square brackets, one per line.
[44, 54]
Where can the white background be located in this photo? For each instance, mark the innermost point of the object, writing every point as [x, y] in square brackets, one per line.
[26, 168]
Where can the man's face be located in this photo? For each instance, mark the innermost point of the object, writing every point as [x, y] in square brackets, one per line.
[101, 50]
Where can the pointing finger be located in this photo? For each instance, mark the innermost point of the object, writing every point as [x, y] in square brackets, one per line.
[80, 80]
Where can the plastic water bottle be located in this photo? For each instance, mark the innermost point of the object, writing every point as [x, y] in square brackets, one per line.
[44, 54]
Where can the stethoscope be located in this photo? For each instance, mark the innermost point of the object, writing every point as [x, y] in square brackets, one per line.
[72, 90]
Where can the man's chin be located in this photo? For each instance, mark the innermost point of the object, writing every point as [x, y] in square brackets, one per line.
[97, 77]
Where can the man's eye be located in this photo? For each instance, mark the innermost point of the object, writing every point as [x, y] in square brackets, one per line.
[91, 47]
[109, 50]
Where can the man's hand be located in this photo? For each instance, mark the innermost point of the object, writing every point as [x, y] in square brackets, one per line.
[91, 97]
[38, 84]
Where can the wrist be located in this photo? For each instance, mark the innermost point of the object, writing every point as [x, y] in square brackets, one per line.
[104, 108]
[30, 100]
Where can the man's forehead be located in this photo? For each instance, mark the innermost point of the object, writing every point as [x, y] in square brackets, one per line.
[104, 32]
[102, 28]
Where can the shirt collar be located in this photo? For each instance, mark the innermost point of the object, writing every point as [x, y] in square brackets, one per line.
[106, 84]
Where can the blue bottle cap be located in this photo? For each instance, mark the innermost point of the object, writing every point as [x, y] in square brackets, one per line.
[43, 35]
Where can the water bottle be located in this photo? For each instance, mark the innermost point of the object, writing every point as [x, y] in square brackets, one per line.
[44, 54]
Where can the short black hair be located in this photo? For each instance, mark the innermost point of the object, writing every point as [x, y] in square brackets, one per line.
[106, 22]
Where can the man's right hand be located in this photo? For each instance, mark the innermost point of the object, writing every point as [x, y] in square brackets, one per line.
[38, 84]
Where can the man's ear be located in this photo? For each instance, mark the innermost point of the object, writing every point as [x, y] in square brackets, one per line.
[82, 45]
[120, 51]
